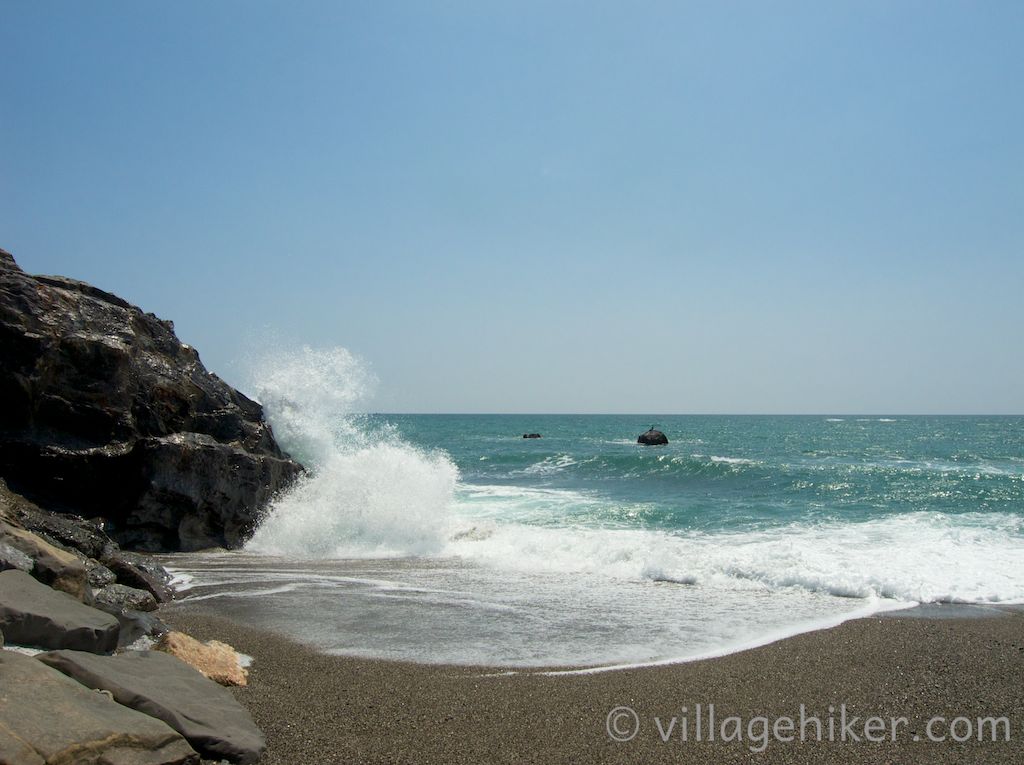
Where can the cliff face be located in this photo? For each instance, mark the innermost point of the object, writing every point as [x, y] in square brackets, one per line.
[104, 413]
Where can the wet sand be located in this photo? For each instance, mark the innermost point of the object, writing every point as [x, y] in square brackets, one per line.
[316, 708]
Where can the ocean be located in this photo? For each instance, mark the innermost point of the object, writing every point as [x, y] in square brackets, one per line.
[452, 539]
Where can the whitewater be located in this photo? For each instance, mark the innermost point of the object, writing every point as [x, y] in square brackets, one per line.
[452, 539]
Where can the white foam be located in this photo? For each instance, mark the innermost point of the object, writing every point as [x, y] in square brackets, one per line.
[367, 492]
[730, 460]
[952, 559]
[874, 607]
[180, 580]
[548, 466]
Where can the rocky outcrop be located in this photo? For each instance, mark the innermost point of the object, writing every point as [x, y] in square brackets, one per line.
[652, 438]
[46, 717]
[35, 615]
[106, 413]
[49, 564]
[155, 683]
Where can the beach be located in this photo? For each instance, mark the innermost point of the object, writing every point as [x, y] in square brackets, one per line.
[319, 708]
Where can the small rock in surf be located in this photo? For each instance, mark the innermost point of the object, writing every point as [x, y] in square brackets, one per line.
[652, 438]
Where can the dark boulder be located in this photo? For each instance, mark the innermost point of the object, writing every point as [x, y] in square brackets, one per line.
[531, 435]
[119, 596]
[108, 414]
[135, 570]
[652, 438]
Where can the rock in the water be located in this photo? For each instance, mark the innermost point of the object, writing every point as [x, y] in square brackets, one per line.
[35, 615]
[531, 435]
[652, 438]
[217, 661]
[106, 412]
[155, 683]
[120, 597]
[46, 717]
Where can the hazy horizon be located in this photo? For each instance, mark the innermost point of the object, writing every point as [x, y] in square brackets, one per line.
[546, 208]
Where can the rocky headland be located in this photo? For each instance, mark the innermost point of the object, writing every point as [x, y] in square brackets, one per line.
[115, 441]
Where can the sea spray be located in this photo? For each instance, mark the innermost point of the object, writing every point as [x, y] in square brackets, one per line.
[367, 492]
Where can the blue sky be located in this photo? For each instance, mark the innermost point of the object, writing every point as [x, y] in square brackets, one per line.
[544, 207]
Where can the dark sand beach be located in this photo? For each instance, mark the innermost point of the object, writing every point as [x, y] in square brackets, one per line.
[316, 708]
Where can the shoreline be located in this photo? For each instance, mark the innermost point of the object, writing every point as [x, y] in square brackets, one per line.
[317, 707]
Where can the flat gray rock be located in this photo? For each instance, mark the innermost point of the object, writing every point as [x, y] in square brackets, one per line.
[46, 717]
[206, 714]
[35, 615]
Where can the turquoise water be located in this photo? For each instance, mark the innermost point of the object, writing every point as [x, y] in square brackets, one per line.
[741, 472]
[450, 538]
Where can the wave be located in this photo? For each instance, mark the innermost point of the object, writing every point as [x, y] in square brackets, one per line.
[367, 492]
[371, 494]
[972, 558]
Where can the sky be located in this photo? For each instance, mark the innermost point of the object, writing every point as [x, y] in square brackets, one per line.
[721, 207]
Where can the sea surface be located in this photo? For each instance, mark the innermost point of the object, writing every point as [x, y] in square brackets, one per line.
[452, 539]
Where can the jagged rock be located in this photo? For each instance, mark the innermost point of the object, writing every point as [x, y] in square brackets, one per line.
[216, 660]
[121, 597]
[47, 718]
[531, 435]
[107, 413]
[52, 566]
[134, 570]
[652, 438]
[33, 614]
[98, 574]
[134, 624]
[12, 557]
[68, 531]
[139, 624]
[155, 683]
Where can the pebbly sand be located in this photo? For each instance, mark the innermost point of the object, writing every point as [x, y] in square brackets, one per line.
[316, 708]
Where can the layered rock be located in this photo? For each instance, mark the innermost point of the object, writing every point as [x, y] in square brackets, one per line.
[35, 615]
[155, 683]
[46, 717]
[108, 414]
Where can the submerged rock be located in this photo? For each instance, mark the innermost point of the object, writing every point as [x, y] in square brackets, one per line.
[155, 683]
[652, 438]
[107, 413]
[61, 721]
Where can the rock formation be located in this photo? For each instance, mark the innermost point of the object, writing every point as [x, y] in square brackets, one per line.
[652, 438]
[107, 414]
